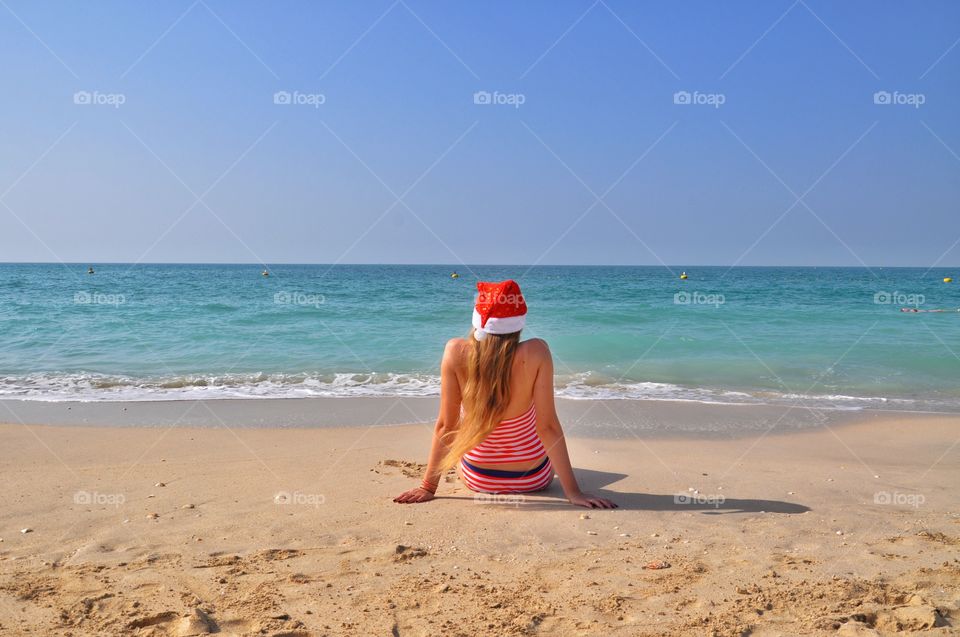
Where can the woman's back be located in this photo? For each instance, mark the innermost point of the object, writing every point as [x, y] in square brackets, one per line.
[514, 444]
[523, 373]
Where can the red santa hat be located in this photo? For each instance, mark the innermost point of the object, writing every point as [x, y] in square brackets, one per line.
[500, 309]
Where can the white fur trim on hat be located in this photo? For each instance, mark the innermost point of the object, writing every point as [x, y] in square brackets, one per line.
[505, 325]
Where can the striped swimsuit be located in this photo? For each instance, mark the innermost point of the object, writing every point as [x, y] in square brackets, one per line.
[513, 440]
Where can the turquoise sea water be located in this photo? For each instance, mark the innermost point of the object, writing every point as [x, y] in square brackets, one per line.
[832, 337]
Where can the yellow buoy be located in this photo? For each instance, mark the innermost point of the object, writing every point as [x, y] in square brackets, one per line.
[454, 276]
[683, 275]
[947, 279]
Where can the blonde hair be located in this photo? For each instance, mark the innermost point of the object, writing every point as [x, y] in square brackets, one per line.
[486, 392]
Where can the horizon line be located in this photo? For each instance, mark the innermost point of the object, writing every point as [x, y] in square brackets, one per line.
[454, 266]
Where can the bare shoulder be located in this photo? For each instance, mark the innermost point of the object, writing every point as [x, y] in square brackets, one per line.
[455, 345]
[535, 349]
[454, 352]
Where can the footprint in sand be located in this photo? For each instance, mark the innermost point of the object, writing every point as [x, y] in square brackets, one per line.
[404, 553]
[407, 468]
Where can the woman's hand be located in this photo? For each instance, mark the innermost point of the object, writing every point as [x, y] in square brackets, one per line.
[591, 501]
[413, 496]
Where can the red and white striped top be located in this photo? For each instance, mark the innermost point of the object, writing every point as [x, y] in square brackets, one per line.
[513, 440]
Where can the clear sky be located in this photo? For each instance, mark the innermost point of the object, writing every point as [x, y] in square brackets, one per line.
[178, 152]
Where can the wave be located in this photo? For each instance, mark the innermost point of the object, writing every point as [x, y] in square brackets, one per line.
[91, 387]
[100, 387]
[592, 386]
[587, 386]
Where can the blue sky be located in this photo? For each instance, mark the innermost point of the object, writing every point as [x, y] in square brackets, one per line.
[797, 165]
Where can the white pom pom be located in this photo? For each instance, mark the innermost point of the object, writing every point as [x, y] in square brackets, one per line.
[479, 334]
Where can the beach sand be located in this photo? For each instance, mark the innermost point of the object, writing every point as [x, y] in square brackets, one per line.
[851, 530]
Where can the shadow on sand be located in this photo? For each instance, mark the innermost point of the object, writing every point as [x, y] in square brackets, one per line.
[595, 481]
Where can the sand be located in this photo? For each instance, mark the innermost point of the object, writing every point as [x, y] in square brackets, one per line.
[851, 530]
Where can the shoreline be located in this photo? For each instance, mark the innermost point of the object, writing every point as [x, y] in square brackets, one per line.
[602, 418]
[177, 531]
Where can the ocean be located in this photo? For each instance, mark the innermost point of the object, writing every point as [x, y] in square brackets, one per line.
[832, 338]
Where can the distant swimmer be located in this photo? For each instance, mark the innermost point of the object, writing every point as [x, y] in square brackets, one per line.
[90, 270]
[264, 273]
[683, 275]
[454, 275]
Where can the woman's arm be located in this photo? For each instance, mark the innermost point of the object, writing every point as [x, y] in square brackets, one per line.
[551, 433]
[447, 422]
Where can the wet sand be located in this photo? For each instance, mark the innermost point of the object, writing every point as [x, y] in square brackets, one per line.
[587, 418]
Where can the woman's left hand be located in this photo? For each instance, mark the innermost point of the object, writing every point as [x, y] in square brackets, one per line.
[414, 496]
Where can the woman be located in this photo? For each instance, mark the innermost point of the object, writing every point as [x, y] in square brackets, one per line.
[498, 424]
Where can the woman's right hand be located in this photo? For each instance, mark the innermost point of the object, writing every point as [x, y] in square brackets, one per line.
[591, 501]
[414, 496]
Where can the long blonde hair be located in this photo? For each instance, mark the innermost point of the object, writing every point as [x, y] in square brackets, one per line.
[485, 394]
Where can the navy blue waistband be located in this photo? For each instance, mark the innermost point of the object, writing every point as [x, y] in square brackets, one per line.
[497, 473]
